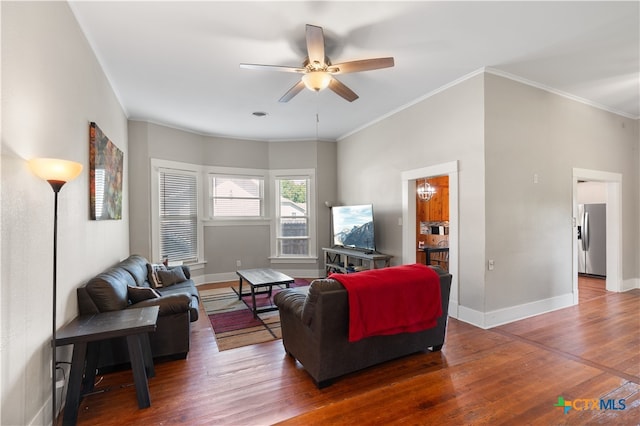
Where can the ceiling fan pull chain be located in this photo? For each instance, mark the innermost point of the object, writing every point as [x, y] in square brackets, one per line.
[317, 116]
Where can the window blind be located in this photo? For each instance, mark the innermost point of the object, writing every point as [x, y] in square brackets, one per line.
[178, 215]
[236, 196]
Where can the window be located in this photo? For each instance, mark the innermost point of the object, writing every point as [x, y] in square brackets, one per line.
[176, 223]
[236, 196]
[294, 220]
[99, 181]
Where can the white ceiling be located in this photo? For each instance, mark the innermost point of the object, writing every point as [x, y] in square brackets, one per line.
[177, 63]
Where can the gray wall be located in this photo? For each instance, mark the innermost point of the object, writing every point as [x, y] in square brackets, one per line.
[445, 127]
[327, 184]
[52, 87]
[501, 132]
[224, 245]
[529, 225]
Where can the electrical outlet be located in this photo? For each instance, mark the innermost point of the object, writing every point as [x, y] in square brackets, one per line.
[238, 263]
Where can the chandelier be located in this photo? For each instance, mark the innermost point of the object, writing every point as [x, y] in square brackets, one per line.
[425, 191]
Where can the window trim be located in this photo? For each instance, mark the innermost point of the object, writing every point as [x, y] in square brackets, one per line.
[309, 174]
[269, 217]
[156, 166]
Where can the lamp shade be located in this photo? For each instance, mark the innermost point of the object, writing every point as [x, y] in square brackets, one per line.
[316, 80]
[53, 169]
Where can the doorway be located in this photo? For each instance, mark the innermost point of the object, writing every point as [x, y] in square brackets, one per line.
[432, 221]
[613, 186]
[590, 287]
[410, 179]
[592, 201]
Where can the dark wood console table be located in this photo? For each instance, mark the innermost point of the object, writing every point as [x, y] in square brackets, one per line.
[86, 332]
[338, 259]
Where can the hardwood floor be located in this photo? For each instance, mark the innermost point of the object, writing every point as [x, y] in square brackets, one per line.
[511, 374]
[590, 287]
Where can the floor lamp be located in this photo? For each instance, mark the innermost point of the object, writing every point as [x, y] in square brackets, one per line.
[57, 173]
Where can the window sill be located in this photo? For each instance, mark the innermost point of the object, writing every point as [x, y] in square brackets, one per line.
[293, 259]
[238, 222]
[196, 265]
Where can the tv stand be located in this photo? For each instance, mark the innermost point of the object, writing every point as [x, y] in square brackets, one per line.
[343, 260]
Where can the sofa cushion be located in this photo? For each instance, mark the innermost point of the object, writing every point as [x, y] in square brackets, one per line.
[185, 270]
[187, 286]
[171, 276]
[136, 265]
[138, 294]
[109, 290]
[316, 287]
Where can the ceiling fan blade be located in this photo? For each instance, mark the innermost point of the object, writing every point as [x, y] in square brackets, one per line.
[362, 65]
[342, 90]
[315, 44]
[272, 68]
[297, 88]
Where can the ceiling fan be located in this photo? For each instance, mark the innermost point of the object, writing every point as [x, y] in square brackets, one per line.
[318, 71]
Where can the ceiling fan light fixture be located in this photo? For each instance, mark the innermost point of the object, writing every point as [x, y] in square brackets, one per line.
[317, 69]
[316, 80]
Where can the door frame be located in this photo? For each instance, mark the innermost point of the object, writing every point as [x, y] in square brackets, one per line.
[409, 242]
[613, 182]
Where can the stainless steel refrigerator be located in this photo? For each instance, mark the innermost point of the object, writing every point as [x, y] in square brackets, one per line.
[592, 239]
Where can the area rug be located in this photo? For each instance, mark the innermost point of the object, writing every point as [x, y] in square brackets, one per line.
[232, 318]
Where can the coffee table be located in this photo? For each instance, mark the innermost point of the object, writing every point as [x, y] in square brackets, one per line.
[261, 277]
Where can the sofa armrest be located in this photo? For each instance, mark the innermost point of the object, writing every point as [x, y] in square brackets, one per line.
[290, 302]
[169, 304]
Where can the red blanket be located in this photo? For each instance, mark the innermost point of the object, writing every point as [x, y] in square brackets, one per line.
[391, 300]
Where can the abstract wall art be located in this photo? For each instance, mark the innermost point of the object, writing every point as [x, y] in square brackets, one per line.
[106, 168]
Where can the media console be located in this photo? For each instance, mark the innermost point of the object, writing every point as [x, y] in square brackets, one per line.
[343, 260]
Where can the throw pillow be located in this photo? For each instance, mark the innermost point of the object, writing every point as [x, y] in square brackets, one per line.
[172, 276]
[152, 272]
[138, 294]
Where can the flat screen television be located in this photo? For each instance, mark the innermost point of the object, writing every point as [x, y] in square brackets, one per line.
[352, 227]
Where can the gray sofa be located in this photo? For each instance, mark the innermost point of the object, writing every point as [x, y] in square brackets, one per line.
[315, 330]
[119, 287]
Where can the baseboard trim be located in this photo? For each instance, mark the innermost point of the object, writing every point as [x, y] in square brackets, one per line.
[218, 278]
[471, 316]
[630, 284]
[453, 309]
[232, 276]
[503, 316]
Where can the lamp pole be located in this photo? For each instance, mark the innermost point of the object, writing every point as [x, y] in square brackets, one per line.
[56, 186]
[57, 173]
